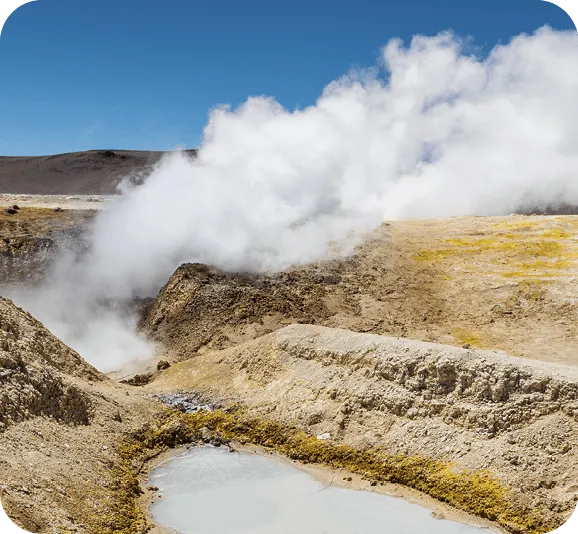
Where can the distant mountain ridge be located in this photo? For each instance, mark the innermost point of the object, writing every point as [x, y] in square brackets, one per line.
[94, 172]
[98, 172]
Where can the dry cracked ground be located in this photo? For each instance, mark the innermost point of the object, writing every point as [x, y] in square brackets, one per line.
[449, 341]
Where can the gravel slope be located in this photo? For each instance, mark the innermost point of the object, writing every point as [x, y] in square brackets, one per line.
[95, 172]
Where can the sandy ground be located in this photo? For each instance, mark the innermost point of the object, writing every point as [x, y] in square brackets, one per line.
[65, 202]
[506, 283]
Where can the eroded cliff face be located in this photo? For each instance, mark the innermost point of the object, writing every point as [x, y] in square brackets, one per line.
[480, 409]
[202, 307]
[36, 371]
[24, 258]
[60, 422]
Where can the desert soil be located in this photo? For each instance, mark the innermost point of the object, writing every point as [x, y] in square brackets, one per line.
[496, 390]
[32, 233]
[95, 172]
[55, 202]
[507, 283]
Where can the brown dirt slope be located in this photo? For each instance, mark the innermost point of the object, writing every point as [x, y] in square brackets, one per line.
[92, 172]
[508, 283]
[29, 238]
[60, 421]
[478, 410]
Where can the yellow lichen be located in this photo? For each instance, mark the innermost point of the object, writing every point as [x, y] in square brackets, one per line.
[547, 265]
[476, 492]
[556, 233]
[465, 337]
[433, 255]
[539, 270]
[516, 225]
[527, 256]
[486, 242]
[123, 515]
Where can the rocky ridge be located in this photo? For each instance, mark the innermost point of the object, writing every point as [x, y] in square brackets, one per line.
[479, 409]
[60, 424]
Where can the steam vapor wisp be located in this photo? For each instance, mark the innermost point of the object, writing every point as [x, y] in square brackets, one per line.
[431, 132]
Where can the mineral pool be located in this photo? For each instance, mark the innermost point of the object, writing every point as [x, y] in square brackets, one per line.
[209, 490]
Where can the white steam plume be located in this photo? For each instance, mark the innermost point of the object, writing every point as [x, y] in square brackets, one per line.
[441, 133]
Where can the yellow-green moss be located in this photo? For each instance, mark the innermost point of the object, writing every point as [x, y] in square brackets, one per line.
[516, 256]
[475, 492]
[539, 248]
[516, 225]
[556, 233]
[123, 515]
[434, 255]
[465, 337]
[546, 265]
[487, 242]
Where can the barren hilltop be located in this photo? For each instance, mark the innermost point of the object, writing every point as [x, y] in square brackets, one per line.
[95, 172]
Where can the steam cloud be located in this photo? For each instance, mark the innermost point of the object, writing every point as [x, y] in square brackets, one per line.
[432, 132]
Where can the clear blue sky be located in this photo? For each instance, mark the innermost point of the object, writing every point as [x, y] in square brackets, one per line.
[85, 74]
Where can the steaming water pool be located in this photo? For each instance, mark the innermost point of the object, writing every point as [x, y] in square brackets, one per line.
[212, 491]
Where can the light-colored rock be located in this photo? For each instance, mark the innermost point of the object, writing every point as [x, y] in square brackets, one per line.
[479, 409]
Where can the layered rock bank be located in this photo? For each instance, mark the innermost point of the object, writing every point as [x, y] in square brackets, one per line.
[486, 410]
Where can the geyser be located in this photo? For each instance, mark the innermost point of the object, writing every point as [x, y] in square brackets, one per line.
[433, 132]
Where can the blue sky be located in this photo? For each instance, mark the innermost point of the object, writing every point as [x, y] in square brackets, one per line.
[128, 74]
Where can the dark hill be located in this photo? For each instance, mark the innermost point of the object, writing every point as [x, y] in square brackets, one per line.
[96, 172]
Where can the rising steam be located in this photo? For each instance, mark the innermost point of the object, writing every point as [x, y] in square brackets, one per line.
[432, 132]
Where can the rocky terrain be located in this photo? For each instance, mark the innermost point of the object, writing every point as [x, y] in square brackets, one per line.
[505, 283]
[483, 410]
[36, 373]
[31, 236]
[451, 340]
[60, 421]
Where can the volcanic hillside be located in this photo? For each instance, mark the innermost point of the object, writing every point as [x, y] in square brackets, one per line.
[60, 422]
[76, 173]
[490, 286]
[505, 283]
